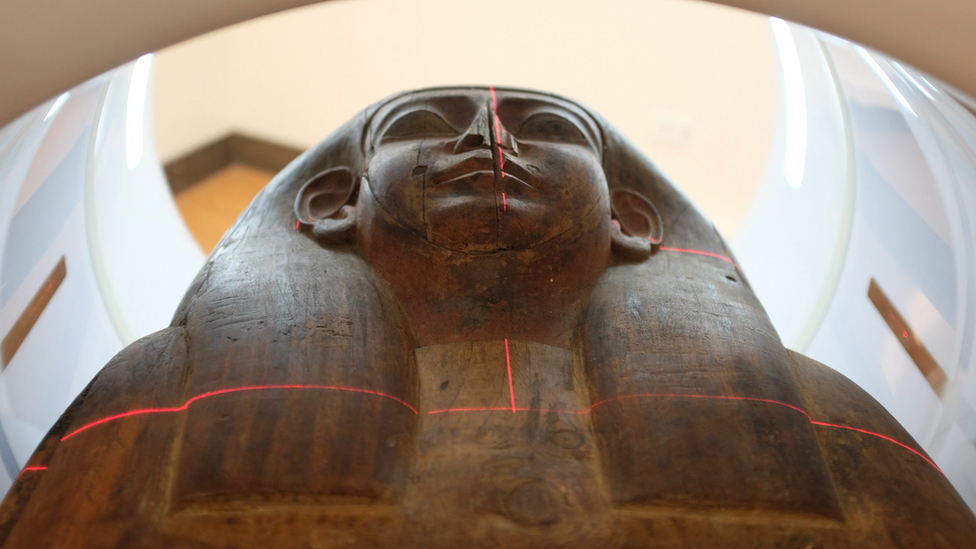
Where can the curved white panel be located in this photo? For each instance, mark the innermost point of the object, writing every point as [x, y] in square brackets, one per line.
[92, 253]
[142, 253]
[888, 202]
[793, 239]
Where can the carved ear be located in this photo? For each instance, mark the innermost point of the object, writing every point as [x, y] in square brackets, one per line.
[637, 225]
[323, 204]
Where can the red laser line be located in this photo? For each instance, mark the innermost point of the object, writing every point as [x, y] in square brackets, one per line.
[494, 112]
[513, 408]
[714, 397]
[879, 435]
[186, 404]
[498, 141]
[777, 402]
[503, 409]
[508, 362]
[680, 395]
[700, 252]
[32, 468]
[475, 409]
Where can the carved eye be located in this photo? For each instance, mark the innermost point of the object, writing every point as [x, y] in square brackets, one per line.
[546, 126]
[418, 124]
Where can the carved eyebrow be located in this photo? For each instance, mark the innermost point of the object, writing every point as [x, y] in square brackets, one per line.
[431, 105]
[406, 115]
[567, 115]
[437, 104]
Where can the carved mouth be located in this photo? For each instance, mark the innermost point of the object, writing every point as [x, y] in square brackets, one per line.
[472, 163]
[466, 177]
[514, 171]
[479, 162]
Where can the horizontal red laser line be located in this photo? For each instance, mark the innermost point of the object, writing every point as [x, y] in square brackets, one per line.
[32, 468]
[879, 435]
[622, 397]
[513, 408]
[680, 395]
[700, 252]
[713, 397]
[505, 409]
[186, 404]
[481, 409]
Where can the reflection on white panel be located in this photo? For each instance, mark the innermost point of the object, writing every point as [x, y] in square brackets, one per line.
[795, 99]
[58, 103]
[43, 223]
[143, 256]
[889, 199]
[793, 240]
[135, 111]
[892, 89]
[92, 254]
[906, 236]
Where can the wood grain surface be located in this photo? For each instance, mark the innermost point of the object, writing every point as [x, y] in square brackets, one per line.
[496, 325]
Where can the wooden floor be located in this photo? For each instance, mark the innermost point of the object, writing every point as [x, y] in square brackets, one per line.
[212, 205]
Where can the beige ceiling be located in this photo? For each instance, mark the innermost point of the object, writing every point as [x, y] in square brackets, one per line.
[48, 46]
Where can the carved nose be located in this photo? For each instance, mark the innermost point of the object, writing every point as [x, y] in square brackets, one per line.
[476, 136]
[505, 139]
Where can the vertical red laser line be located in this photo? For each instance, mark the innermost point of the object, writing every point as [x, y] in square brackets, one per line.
[498, 141]
[511, 387]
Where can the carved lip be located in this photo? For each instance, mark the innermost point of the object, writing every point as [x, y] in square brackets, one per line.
[471, 163]
[478, 162]
[467, 176]
[514, 171]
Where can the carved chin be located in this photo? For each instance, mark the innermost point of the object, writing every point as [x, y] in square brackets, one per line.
[465, 228]
[473, 227]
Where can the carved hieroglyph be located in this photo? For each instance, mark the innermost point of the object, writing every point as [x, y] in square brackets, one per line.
[495, 324]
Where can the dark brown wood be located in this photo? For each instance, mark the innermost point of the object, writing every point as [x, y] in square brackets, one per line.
[185, 171]
[919, 354]
[496, 325]
[25, 322]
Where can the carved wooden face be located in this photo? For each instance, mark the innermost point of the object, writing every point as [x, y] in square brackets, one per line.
[478, 172]
[483, 209]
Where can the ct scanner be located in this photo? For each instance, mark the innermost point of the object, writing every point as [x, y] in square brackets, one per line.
[859, 242]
